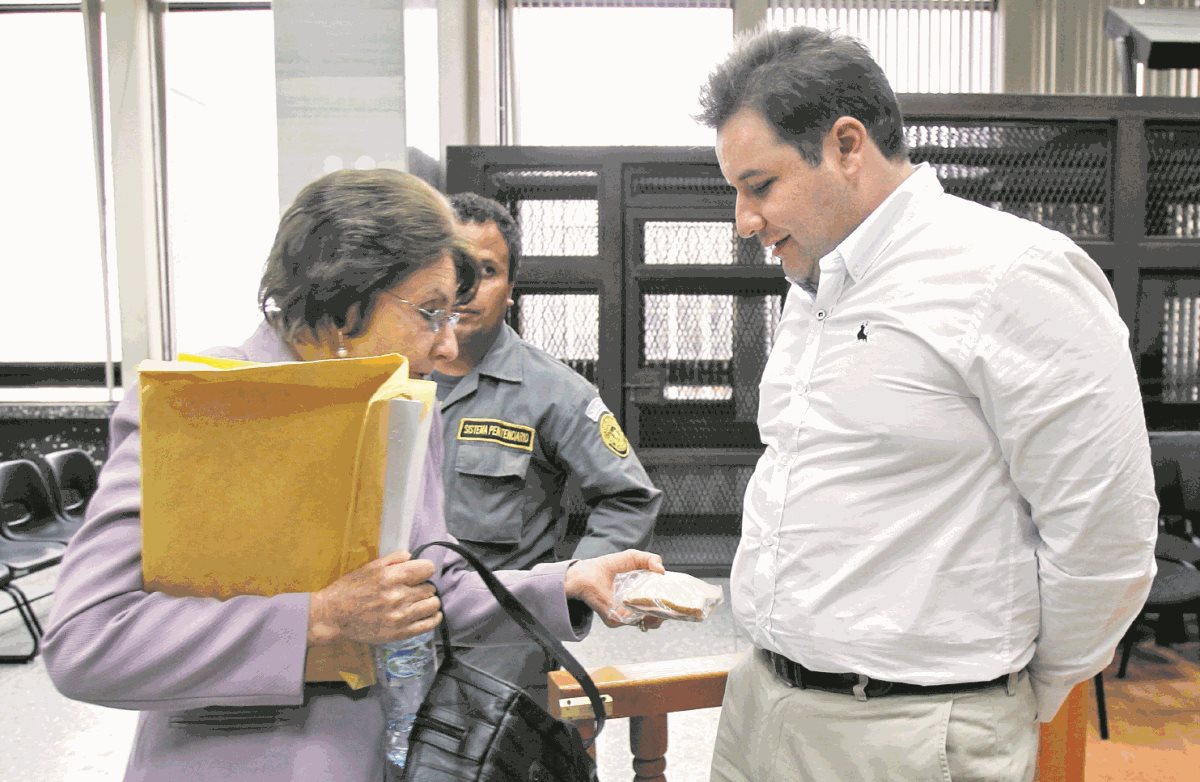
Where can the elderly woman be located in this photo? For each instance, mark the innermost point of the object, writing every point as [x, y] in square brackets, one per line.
[364, 262]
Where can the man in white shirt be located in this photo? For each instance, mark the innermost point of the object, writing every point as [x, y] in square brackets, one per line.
[953, 522]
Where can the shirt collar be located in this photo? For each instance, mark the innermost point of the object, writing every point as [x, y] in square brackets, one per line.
[503, 360]
[266, 346]
[873, 235]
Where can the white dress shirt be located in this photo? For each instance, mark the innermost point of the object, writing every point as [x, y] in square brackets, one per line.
[957, 480]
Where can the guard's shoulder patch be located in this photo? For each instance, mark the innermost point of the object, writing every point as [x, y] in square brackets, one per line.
[612, 436]
[493, 430]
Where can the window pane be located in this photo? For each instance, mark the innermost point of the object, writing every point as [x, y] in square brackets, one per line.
[422, 125]
[51, 273]
[614, 75]
[922, 45]
[222, 170]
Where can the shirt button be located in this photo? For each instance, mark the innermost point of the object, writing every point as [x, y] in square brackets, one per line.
[821, 314]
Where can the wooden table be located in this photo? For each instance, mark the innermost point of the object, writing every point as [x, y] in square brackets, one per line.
[646, 693]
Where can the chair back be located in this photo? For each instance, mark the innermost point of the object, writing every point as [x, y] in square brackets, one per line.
[1168, 486]
[73, 477]
[25, 497]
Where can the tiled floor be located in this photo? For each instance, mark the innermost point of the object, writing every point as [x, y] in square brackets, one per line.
[46, 736]
[49, 738]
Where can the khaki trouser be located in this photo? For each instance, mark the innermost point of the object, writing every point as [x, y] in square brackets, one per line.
[770, 732]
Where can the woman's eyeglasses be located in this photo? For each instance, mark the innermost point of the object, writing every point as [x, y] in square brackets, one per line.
[435, 318]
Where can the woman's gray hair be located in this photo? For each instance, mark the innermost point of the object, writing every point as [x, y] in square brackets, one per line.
[348, 236]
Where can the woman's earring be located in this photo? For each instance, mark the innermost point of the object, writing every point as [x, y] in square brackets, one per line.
[341, 348]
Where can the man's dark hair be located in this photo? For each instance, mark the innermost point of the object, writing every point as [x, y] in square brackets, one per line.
[348, 236]
[474, 208]
[801, 80]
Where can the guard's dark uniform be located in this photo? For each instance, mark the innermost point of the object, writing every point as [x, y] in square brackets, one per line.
[516, 427]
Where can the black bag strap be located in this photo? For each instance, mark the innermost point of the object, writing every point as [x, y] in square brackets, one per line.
[530, 624]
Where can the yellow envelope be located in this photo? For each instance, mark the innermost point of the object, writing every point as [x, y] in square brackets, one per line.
[262, 479]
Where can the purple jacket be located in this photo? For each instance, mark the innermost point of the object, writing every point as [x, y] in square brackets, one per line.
[112, 643]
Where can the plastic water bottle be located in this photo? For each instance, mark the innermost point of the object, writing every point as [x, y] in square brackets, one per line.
[405, 670]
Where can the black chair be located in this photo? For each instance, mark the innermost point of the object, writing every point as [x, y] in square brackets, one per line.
[1175, 591]
[1173, 515]
[1176, 549]
[1101, 710]
[72, 481]
[36, 516]
[19, 559]
[25, 609]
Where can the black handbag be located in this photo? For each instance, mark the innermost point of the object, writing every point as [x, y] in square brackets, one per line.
[474, 726]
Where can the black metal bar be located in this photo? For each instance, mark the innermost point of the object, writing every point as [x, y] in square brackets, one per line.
[17, 375]
[730, 278]
[1101, 709]
[1129, 208]
[185, 7]
[700, 457]
[48, 8]
[610, 370]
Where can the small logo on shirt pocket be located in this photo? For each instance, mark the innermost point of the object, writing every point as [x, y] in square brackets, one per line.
[862, 331]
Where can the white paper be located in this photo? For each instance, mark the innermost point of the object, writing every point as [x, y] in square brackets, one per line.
[407, 444]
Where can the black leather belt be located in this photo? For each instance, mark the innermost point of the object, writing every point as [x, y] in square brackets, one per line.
[862, 687]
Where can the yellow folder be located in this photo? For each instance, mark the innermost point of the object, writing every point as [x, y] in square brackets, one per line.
[262, 479]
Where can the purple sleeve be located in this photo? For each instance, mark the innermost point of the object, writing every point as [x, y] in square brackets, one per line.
[474, 616]
[111, 642]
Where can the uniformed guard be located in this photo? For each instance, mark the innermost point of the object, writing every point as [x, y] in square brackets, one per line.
[518, 424]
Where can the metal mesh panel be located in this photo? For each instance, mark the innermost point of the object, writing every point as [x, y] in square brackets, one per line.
[698, 523]
[1173, 182]
[714, 185]
[706, 353]
[1168, 338]
[1056, 174]
[701, 490]
[559, 227]
[534, 180]
[706, 243]
[1180, 349]
[565, 325]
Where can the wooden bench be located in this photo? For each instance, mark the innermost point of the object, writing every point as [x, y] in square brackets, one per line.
[646, 693]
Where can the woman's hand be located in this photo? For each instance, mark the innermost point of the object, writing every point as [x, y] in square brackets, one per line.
[385, 600]
[591, 580]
